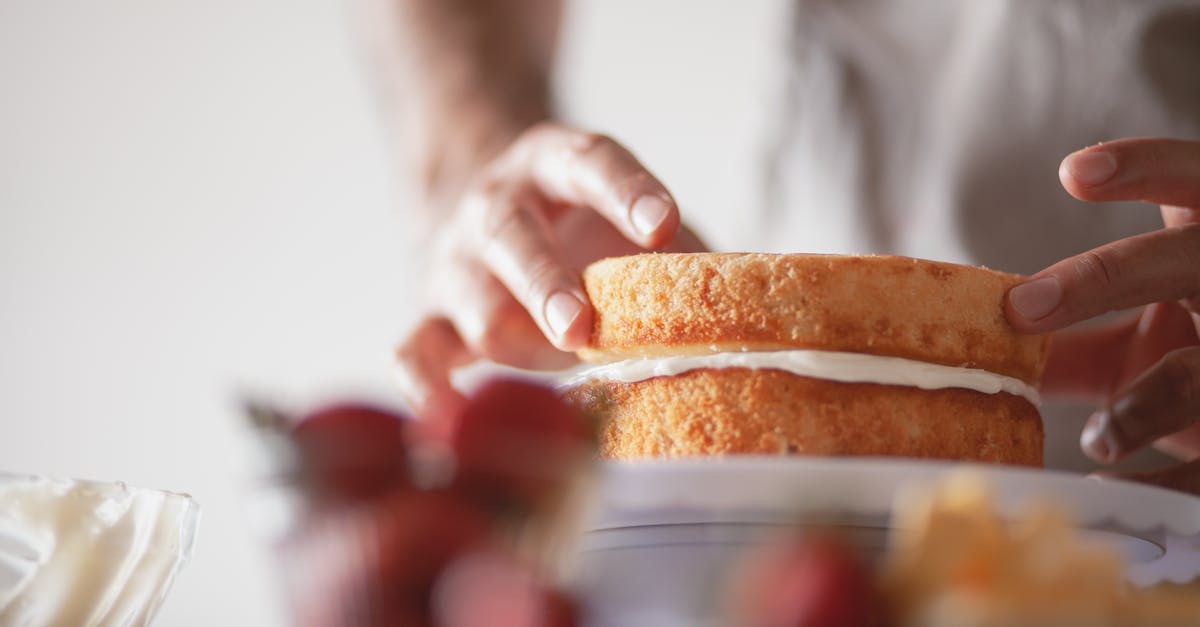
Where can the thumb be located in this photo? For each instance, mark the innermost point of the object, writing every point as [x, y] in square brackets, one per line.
[1165, 399]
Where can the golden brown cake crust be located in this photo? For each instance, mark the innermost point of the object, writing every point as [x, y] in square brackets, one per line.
[653, 305]
[738, 410]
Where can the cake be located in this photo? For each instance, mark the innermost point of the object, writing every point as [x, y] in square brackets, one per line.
[746, 353]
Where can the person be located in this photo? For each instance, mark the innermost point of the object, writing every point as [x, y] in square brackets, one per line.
[915, 126]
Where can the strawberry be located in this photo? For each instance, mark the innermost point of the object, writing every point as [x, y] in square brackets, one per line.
[816, 581]
[516, 444]
[349, 453]
[492, 588]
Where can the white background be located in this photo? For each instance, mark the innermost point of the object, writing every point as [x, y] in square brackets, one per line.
[195, 202]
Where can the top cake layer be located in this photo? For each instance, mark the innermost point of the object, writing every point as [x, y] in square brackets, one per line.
[655, 305]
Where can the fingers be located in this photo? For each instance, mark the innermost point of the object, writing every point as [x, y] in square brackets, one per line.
[1184, 445]
[490, 321]
[685, 241]
[1183, 478]
[515, 243]
[1082, 364]
[1163, 171]
[1180, 216]
[502, 331]
[424, 361]
[482, 321]
[1151, 267]
[1089, 364]
[508, 215]
[594, 171]
[592, 237]
[1163, 400]
[509, 285]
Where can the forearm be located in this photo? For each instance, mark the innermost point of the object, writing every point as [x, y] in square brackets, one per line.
[459, 79]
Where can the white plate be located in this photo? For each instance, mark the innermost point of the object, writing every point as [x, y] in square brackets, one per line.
[1161, 528]
[662, 534]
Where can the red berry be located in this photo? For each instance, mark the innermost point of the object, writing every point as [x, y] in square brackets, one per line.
[376, 564]
[491, 588]
[418, 535]
[817, 582]
[351, 453]
[517, 443]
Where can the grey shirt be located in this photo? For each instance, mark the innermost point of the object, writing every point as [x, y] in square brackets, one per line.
[934, 128]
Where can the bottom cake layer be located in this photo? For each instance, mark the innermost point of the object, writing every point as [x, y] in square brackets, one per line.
[737, 410]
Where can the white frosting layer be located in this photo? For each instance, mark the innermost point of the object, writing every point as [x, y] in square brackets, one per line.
[832, 365]
[88, 554]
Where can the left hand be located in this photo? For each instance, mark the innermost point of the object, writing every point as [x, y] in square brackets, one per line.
[1143, 372]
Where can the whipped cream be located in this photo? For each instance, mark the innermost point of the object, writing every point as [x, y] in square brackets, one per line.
[88, 554]
[831, 365]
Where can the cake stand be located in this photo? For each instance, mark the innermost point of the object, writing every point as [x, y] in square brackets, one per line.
[662, 535]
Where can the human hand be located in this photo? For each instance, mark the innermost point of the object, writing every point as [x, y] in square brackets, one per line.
[1144, 372]
[504, 273]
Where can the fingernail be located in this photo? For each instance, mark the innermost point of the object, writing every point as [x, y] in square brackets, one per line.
[562, 308]
[1092, 441]
[1036, 299]
[1091, 168]
[649, 212]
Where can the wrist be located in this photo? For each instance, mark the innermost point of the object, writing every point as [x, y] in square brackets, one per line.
[460, 144]
[442, 155]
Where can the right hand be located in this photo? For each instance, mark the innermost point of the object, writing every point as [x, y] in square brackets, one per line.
[505, 266]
